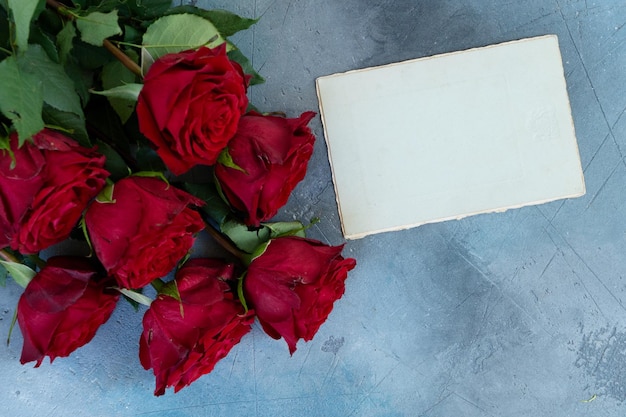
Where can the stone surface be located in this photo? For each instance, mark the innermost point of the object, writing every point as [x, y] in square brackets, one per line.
[520, 313]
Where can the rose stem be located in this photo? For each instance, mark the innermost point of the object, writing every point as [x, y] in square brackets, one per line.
[224, 242]
[7, 256]
[123, 58]
[114, 50]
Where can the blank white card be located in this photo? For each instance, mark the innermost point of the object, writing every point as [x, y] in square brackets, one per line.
[449, 136]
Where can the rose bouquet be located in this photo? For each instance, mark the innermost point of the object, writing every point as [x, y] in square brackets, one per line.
[126, 125]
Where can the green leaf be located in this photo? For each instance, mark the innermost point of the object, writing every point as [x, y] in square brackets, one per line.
[13, 321]
[104, 122]
[240, 295]
[22, 12]
[3, 276]
[89, 56]
[132, 35]
[73, 123]
[171, 289]
[82, 78]
[260, 250]
[103, 6]
[226, 159]
[135, 296]
[20, 273]
[96, 27]
[39, 37]
[246, 65]
[58, 88]
[152, 174]
[175, 33]
[215, 206]
[149, 8]
[115, 164]
[128, 92]
[281, 229]
[245, 238]
[148, 159]
[65, 41]
[5, 37]
[146, 60]
[227, 23]
[21, 99]
[249, 239]
[105, 196]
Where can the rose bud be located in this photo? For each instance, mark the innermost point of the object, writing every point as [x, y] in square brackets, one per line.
[271, 154]
[146, 228]
[190, 105]
[184, 339]
[293, 284]
[45, 189]
[62, 308]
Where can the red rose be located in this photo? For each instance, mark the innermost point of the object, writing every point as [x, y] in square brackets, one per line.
[292, 286]
[62, 308]
[46, 192]
[183, 340]
[144, 231]
[273, 153]
[190, 105]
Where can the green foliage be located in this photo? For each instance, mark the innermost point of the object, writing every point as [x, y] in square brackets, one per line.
[42, 39]
[65, 41]
[72, 123]
[3, 276]
[249, 239]
[148, 159]
[128, 92]
[104, 123]
[105, 196]
[22, 12]
[226, 159]
[103, 6]
[215, 207]
[148, 9]
[21, 98]
[20, 273]
[246, 65]
[95, 27]
[58, 88]
[115, 164]
[89, 56]
[135, 296]
[116, 78]
[227, 23]
[5, 41]
[175, 33]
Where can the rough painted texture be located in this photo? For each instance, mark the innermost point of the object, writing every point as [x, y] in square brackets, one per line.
[521, 313]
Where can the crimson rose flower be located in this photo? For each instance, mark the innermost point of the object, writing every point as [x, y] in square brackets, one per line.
[45, 189]
[292, 286]
[190, 105]
[272, 153]
[183, 340]
[144, 231]
[62, 308]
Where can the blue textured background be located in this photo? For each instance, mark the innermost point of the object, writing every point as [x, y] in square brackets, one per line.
[514, 314]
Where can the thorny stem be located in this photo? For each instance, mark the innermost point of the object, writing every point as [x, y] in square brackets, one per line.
[7, 256]
[224, 242]
[114, 50]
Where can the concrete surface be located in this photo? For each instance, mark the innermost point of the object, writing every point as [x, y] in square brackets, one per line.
[521, 313]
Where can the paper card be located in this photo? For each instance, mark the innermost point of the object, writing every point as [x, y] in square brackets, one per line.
[449, 136]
